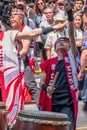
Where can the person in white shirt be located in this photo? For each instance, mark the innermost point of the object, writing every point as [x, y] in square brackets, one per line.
[59, 19]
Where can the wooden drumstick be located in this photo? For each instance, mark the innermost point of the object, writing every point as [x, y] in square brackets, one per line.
[55, 78]
[53, 84]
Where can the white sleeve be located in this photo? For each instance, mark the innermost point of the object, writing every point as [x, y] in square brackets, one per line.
[13, 34]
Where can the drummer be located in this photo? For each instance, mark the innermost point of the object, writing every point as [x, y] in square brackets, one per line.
[12, 69]
[62, 97]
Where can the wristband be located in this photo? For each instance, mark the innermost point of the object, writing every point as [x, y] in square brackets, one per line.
[47, 30]
[70, 15]
[44, 87]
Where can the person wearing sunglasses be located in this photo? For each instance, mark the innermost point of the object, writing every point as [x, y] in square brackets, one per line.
[56, 5]
[60, 4]
[39, 17]
[52, 3]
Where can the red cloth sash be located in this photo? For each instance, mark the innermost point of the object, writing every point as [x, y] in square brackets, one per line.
[71, 84]
[1, 68]
[30, 60]
[11, 80]
[1, 35]
[27, 95]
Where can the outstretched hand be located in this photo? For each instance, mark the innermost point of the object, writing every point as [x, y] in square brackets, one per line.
[58, 26]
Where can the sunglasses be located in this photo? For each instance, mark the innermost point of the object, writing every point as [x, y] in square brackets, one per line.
[50, 2]
[60, 4]
[40, 3]
[21, 0]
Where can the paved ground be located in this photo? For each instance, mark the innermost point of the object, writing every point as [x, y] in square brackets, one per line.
[82, 117]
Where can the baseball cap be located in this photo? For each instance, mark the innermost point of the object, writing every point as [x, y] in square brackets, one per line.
[61, 39]
[21, 6]
[20, 3]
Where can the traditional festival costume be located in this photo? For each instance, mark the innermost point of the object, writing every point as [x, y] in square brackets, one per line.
[11, 75]
[71, 71]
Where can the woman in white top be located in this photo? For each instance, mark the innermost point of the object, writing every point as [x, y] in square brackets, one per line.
[78, 36]
[78, 29]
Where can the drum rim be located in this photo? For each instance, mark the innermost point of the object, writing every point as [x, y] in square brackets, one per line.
[42, 115]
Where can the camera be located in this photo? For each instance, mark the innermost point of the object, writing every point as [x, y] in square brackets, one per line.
[5, 9]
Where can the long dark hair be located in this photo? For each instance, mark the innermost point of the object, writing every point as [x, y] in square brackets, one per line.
[36, 9]
[80, 15]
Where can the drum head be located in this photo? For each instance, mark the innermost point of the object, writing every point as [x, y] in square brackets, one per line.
[43, 117]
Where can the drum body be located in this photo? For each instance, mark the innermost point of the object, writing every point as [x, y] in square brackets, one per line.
[3, 116]
[41, 120]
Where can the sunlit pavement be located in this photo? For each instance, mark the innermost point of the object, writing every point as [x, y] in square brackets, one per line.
[82, 117]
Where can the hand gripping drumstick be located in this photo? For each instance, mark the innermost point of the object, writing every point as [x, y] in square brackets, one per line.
[53, 84]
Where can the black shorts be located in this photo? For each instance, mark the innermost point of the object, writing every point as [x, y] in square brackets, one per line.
[40, 45]
[81, 84]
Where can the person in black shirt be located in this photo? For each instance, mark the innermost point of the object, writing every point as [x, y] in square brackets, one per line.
[61, 96]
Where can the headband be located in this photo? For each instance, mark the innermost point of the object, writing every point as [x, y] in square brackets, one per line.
[18, 13]
[61, 39]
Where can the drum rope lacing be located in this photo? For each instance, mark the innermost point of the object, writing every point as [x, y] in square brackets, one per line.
[43, 118]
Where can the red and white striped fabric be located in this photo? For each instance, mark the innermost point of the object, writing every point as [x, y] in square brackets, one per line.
[11, 76]
[30, 54]
[30, 57]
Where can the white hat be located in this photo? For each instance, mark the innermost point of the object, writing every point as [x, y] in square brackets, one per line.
[20, 3]
[60, 16]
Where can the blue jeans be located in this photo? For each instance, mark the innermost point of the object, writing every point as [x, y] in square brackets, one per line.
[66, 110]
[84, 96]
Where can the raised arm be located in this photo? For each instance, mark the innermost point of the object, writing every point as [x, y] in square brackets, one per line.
[36, 32]
[25, 48]
[71, 28]
[83, 60]
[25, 35]
[83, 64]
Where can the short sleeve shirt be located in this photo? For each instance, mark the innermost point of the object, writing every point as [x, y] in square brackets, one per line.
[61, 95]
[51, 38]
